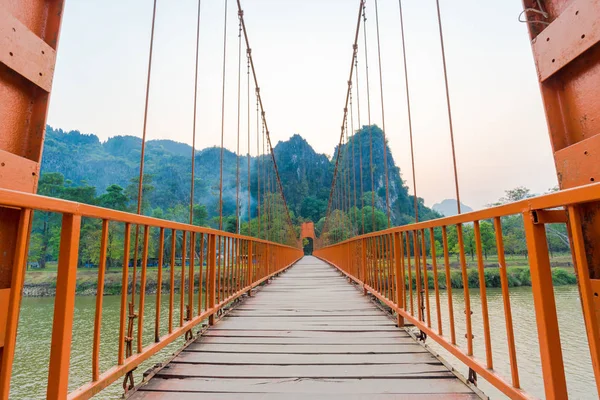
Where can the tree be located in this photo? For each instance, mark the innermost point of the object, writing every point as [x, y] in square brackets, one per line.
[512, 195]
[114, 198]
[380, 219]
[469, 240]
[439, 250]
[488, 238]
[513, 234]
[200, 215]
[131, 191]
[313, 208]
[46, 226]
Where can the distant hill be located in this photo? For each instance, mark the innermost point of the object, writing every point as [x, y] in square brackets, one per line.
[305, 174]
[449, 207]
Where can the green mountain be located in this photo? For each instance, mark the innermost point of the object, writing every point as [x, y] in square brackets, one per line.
[449, 207]
[306, 176]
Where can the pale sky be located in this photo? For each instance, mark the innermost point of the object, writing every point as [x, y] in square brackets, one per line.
[302, 52]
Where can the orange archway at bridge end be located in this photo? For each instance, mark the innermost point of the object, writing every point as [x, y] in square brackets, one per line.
[307, 230]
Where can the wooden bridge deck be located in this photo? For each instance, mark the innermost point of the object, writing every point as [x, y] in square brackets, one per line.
[308, 333]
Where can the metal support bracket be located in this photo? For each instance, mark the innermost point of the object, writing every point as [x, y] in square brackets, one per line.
[572, 33]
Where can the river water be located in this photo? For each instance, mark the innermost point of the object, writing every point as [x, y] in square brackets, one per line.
[30, 371]
[33, 344]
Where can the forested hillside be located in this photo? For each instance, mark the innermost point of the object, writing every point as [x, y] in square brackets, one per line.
[306, 176]
[80, 168]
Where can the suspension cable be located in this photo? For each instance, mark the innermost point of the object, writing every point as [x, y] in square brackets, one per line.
[353, 138]
[268, 136]
[258, 159]
[385, 166]
[249, 149]
[437, 2]
[237, 158]
[265, 181]
[194, 121]
[343, 188]
[143, 152]
[348, 185]
[343, 182]
[362, 200]
[269, 203]
[335, 170]
[364, 15]
[410, 130]
[372, 179]
[128, 380]
[222, 120]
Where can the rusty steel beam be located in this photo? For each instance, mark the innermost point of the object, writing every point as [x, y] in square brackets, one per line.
[29, 32]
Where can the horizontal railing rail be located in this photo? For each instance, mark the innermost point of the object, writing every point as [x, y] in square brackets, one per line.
[399, 266]
[224, 265]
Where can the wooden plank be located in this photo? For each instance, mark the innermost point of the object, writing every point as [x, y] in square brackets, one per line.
[149, 395]
[303, 334]
[274, 359]
[365, 317]
[315, 309]
[310, 386]
[287, 323]
[330, 340]
[421, 371]
[308, 348]
[301, 328]
[249, 313]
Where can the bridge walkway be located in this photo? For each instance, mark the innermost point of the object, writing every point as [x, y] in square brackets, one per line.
[308, 333]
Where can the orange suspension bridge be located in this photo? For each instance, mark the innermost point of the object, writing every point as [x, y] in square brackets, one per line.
[309, 332]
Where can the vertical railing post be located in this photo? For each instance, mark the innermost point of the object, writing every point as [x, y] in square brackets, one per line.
[64, 306]
[363, 265]
[545, 309]
[124, 289]
[397, 270]
[250, 266]
[212, 276]
[268, 259]
[348, 259]
[99, 298]
[12, 296]
[586, 290]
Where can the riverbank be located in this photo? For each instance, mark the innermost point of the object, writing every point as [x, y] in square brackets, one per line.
[516, 276]
[43, 283]
[39, 283]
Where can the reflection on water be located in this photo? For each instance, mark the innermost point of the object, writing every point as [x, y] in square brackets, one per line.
[30, 371]
[576, 355]
[33, 345]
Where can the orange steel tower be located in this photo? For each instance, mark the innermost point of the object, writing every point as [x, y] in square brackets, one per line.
[564, 40]
[29, 31]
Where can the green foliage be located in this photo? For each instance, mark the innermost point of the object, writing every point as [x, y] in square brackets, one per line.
[516, 276]
[112, 168]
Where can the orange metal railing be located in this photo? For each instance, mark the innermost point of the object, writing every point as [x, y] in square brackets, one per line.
[393, 265]
[227, 265]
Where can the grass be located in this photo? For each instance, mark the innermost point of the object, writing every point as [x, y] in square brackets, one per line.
[87, 279]
[556, 260]
[516, 276]
[517, 271]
